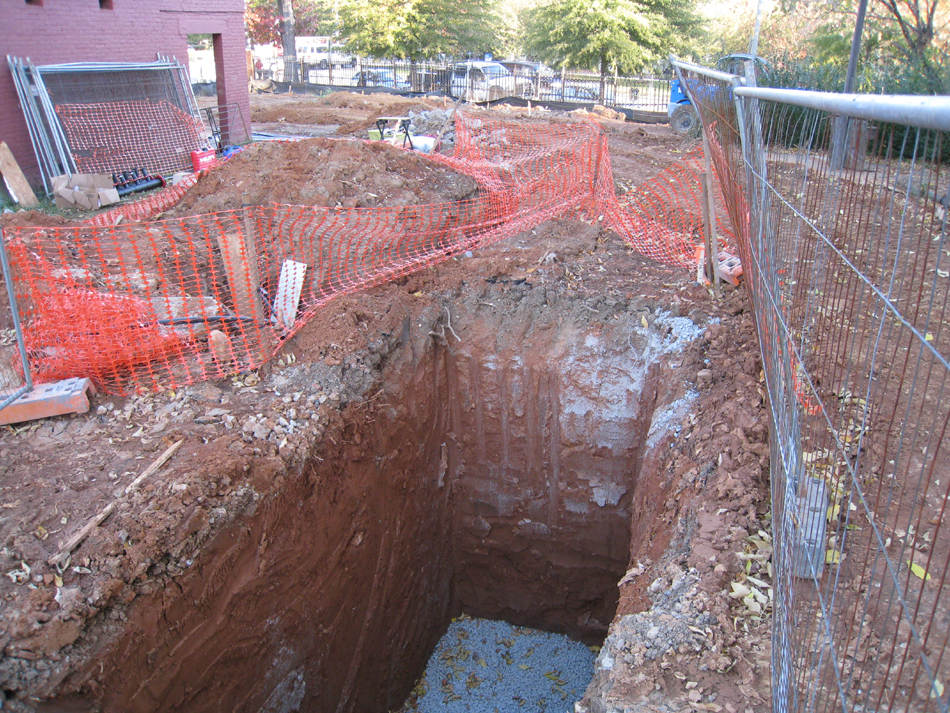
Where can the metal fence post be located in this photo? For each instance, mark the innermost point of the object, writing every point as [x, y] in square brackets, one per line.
[8, 398]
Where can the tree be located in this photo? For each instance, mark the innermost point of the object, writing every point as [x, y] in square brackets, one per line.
[623, 34]
[420, 29]
[904, 47]
[311, 18]
[914, 19]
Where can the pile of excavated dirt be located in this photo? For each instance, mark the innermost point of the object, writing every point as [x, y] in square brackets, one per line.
[324, 172]
[349, 113]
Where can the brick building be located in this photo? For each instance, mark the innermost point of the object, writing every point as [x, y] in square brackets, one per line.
[60, 31]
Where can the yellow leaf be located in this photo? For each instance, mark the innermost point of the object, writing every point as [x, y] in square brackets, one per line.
[643, 321]
[832, 557]
[524, 667]
[57, 580]
[936, 691]
[918, 571]
[929, 337]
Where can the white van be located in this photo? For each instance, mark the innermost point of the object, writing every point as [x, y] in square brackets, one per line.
[482, 81]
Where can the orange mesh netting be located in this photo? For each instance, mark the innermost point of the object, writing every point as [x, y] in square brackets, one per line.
[122, 135]
[150, 305]
[145, 208]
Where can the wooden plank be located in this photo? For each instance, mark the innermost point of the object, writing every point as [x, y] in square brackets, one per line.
[16, 182]
[77, 537]
[241, 273]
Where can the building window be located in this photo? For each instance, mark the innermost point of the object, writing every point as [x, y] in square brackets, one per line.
[38, 3]
[105, 4]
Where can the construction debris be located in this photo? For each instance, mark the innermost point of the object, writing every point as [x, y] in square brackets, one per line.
[88, 191]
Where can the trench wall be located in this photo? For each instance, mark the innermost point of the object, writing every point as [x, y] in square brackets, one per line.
[328, 598]
[489, 479]
[544, 447]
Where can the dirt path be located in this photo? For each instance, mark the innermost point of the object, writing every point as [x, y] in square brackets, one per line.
[212, 531]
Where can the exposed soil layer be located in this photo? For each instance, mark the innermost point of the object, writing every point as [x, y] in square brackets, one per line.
[504, 434]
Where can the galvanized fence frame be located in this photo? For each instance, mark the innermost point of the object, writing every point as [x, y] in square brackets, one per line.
[840, 206]
[10, 375]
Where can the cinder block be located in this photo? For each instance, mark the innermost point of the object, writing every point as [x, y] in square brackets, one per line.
[45, 400]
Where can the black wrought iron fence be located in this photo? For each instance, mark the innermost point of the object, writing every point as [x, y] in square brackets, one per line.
[840, 205]
[475, 81]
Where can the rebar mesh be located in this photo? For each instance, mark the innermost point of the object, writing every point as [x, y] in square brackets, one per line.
[843, 239]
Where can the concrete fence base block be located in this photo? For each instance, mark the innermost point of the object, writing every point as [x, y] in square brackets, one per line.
[45, 400]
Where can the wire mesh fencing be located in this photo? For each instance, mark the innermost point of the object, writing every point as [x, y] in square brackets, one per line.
[840, 208]
[108, 117]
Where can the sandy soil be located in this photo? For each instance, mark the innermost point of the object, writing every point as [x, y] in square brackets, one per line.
[65, 630]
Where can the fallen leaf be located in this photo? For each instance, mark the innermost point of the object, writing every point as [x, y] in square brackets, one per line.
[918, 571]
[936, 691]
[643, 321]
[832, 557]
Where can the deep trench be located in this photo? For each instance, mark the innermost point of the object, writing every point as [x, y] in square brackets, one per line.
[501, 484]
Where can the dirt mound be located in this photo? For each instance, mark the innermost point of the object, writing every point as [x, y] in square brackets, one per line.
[324, 172]
[33, 218]
[321, 111]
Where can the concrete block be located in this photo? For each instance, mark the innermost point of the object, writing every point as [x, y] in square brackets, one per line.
[45, 400]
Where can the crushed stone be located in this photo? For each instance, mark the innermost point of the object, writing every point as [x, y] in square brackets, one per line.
[495, 667]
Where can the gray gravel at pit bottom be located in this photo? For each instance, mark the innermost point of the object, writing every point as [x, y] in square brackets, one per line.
[487, 666]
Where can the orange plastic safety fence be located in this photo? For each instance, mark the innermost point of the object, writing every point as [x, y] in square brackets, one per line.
[124, 135]
[145, 208]
[662, 218]
[151, 305]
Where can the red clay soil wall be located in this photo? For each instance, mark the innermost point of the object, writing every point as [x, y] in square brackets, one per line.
[544, 449]
[60, 31]
[493, 476]
[329, 598]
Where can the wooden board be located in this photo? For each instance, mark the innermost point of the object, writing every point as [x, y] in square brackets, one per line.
[241, 270]
[15, 180]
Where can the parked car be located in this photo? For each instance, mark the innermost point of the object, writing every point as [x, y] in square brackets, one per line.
[531, 78]
[432, 80]
[379, 78]
[340, 60]
[578, 92]
[482, 81]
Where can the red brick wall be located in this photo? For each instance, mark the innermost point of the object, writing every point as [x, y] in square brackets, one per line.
[61, 31]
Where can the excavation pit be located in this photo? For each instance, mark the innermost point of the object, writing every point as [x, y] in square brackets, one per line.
[496, 436]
